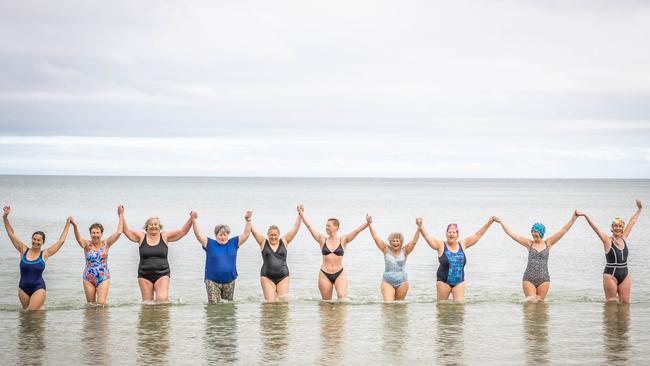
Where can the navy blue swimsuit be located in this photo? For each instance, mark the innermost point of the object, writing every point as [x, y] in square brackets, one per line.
[452, 266]
[31, 274]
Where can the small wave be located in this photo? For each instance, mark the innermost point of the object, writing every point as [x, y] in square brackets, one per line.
[514, 298]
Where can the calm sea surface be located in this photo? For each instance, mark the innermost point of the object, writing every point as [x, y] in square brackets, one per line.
[493, 326]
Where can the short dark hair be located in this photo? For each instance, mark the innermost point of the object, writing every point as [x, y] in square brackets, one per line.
[42, 234]
[96, 226]
[335, 221]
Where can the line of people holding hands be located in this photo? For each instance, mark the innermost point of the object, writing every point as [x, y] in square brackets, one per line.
[221, 258]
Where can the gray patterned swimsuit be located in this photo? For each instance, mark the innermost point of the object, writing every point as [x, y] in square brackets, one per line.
[537, 269]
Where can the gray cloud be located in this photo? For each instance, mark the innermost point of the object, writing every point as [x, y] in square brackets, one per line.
[529, 71]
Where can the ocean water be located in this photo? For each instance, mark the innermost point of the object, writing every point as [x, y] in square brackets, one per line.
[493, 326]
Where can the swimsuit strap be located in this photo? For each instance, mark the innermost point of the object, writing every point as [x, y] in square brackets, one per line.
[324, 249]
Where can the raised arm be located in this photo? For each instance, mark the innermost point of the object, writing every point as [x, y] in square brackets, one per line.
[19, 245]
[516, 237]
[259, 238]
[120, 225]
[247, 228]
[178, 234]
[411, 245]
[347, 238]
[83, 243]
[557, 236]
[630, 224]
[314, 233]
[474, 238]
[601, 234]
[381, 245]
[135, 236]
[294, 230]
[197, 230]
[434, 243]
[52, 249]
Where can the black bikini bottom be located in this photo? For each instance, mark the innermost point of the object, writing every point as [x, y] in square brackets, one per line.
[332, 276]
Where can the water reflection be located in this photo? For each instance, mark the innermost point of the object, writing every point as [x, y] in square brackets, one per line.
[31, 340]
[153, 334]
[221, 333]
[94, 336]
[536, 333]
[274, 330]
[450, 333]
[616, 322]
[395, 318]
[332, 330]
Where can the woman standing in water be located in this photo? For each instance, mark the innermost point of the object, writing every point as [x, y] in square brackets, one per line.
[31, 288]
[394, 285]
[616, 280]
[221, 258]
[153, 269]
[96, 276]
[537, 281]
[331, 274]
[274, 275]
[451, 256]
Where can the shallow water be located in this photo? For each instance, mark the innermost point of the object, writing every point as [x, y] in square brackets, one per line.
[492, 327]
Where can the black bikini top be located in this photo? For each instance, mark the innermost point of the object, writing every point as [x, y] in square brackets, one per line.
[338, 251]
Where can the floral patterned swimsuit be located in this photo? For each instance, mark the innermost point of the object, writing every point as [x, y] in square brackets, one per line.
[96, 270]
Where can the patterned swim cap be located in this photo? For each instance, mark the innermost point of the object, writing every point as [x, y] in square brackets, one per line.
[540, 228]
[455, 226]
[618, 221]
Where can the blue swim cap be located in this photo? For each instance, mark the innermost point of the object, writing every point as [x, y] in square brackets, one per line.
[540, 228]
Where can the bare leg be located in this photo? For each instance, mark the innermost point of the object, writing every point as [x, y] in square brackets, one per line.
[610, 287]
[161, 287]
[90, 291]
[529, 291]
[24, 298]
[458, 292]
[325, 286]
[400, 292]
[268, 289]
[37, 300]
[387, 291]
[542, 290]
[102, 292]
[443, 290]
[146, 289]
[341, 286]
[624, 290]
[283, 288]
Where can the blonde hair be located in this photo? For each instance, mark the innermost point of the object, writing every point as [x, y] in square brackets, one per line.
[274, 227]
[399, 236]
[146, 223]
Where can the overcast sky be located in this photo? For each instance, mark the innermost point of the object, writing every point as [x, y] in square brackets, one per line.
[550, 89]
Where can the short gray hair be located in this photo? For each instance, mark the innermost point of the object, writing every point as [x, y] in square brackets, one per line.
[221, 227]
[396, 236]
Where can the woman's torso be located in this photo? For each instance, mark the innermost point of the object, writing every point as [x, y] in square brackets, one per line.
[332, 258]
